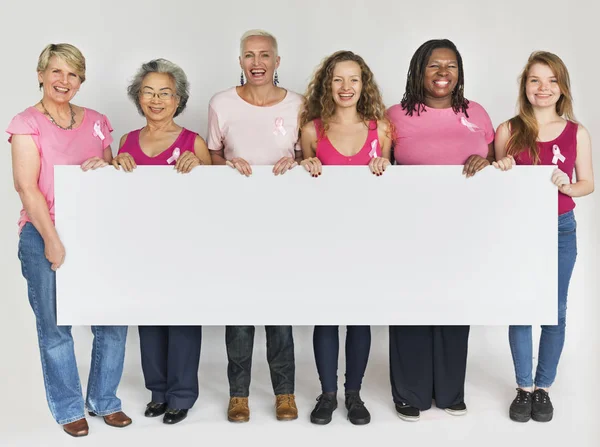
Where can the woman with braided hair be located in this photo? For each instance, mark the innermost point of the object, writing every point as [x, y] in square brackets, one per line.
[435, 125]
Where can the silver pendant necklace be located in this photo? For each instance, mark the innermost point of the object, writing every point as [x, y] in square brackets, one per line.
[53, 121]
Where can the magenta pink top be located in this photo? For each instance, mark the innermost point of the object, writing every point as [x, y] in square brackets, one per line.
[440, 136]
[57, 146]
[184, 142]
[329, 155]
[561, 152]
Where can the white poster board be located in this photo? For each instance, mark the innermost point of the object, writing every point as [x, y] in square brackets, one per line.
[418, 245]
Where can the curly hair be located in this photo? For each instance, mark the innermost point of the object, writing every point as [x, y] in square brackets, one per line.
[414, 95]
[318, 100]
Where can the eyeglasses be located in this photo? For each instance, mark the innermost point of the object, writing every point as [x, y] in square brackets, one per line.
[163, 96]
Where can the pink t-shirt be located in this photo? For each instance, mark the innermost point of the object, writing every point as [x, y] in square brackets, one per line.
[259, 135]
[60, 147]
[329, 155]
[440, 136]
[561, 152]
[184, 142]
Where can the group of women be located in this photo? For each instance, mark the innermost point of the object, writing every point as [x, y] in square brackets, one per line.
[341, 120]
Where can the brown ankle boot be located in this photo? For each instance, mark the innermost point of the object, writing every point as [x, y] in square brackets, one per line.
[238, 410]
[77, 428]
[285, 407]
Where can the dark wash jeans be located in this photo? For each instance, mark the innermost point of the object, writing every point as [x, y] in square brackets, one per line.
[280, 355]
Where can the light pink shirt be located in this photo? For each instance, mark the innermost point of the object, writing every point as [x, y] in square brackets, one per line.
[259, 135]
[60, 147]
[440, 136]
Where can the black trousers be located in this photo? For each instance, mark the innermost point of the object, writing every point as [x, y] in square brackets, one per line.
[280, 356]
[170, 360]
[428, 363]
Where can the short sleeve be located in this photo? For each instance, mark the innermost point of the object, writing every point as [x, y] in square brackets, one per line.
[215, 136]
[23, 125]
[486, 123]
[107, 129]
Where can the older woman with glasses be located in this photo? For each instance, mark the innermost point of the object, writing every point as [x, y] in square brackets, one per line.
[170, 354]
[56, 132]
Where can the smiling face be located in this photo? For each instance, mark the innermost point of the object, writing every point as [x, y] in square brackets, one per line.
[441, 77]
[258, 60]
[541, 87]
[60, 81]
[346, 84]
[158, 97]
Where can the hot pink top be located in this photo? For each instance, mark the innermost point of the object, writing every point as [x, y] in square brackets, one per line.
[562, 152]
[184, 142]
[440, 136]
[329, 155]
[60, 147]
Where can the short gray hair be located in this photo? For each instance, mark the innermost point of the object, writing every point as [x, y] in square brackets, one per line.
[182, 86]
[261, 33]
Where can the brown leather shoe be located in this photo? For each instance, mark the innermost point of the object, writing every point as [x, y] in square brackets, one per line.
[118, 419]
[238, 410]
[285, 407]
[77, 429]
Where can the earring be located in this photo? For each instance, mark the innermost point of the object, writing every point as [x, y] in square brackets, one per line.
[242, 78]
[275, 79]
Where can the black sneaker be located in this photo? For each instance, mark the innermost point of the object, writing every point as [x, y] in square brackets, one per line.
[520, 409]
[323, 411]
[407, 413]
[357, 412]
[459, 409]
[541, 408]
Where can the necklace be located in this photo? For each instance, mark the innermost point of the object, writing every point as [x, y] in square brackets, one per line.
[53, 121]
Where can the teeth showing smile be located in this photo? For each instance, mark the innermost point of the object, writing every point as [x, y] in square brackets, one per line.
[346, 96]
[257, 72]
[156, 109]
[441, 83]
[61, 89]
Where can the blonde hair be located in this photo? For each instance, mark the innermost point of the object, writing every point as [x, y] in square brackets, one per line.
[68, 53]
[257, 32]
[524, 127]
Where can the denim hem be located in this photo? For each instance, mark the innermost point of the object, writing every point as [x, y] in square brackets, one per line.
[283, 391]
[68, 421]
[105, 413]
[520, 385]
[239, 394]
[541, 385]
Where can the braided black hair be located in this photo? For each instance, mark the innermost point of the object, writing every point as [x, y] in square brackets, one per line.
[414, 95]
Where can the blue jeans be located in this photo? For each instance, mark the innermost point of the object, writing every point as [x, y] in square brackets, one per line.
[280, 356]
[59, 367]
[553, 337]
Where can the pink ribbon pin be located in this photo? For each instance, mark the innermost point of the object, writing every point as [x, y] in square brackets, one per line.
[279, 127]
[174, 156]
[472, 127]
[557, 155]
[373, 152]
[98, 131]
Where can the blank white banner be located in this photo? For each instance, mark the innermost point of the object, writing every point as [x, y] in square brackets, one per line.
[418, 245]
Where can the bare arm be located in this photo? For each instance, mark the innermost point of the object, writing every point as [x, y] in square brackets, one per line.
[583, 166]
[502, 136]
[308, 141]
[26, 171]
[218, 157]
[385, 139]
[201, 151]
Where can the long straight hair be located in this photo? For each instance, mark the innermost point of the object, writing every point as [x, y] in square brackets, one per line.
[524, 127]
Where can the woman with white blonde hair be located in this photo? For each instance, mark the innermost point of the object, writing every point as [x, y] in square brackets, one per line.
[256, 123]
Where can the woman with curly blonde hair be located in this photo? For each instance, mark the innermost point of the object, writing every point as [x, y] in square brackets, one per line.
[343, 123]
